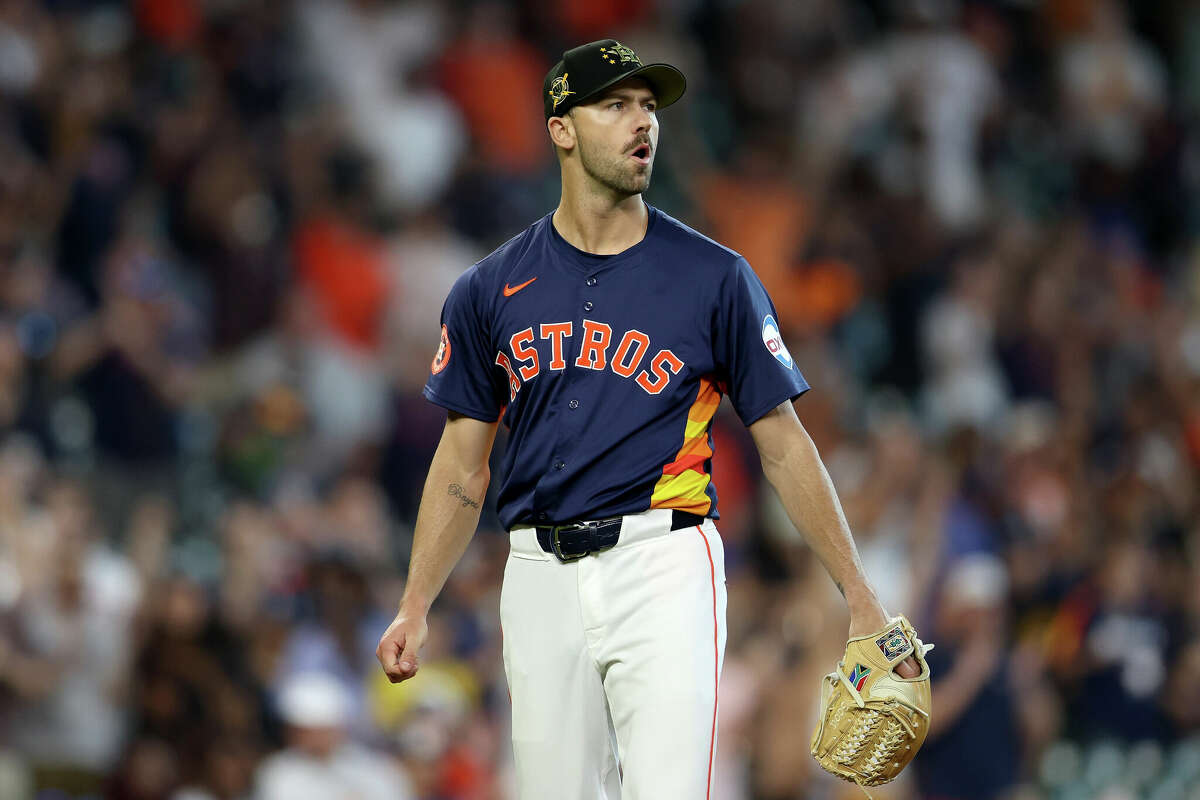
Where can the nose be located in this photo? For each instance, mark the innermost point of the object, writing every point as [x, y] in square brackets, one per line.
[642, 121]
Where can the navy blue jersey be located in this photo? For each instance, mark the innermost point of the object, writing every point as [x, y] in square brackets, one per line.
[608, 369]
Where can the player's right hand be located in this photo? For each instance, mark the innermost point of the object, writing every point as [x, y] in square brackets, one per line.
[399, 647]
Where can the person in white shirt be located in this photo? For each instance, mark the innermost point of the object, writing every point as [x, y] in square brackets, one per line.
[320, 761]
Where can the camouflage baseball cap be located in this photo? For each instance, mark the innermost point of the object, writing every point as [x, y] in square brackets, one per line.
[589, 69]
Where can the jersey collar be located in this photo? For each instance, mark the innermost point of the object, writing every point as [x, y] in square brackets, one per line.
[591, 262]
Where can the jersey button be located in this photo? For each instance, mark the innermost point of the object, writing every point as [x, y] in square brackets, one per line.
[573, 404]
[543, 516]
[587, 306]
[559, 465]
[591, 281]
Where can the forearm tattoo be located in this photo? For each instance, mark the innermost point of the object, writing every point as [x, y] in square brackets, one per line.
[456, 490]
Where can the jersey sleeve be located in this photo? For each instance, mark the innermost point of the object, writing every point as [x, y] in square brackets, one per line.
[462, 376]
[749, 350]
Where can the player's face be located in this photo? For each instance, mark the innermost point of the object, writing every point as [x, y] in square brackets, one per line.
[618, 137]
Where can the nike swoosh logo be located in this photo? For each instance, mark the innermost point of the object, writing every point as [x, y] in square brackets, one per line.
[509, 291]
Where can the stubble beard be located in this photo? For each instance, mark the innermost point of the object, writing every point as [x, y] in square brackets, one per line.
[619, 174]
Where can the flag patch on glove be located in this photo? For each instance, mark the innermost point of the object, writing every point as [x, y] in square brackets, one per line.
[859, 676]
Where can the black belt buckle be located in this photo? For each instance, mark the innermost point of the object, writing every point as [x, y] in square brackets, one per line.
[556, 542]
[574, 540]
[585, 538]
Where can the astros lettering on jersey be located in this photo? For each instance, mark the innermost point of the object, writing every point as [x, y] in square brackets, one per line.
[621, 361]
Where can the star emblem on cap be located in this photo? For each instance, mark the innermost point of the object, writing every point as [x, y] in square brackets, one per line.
[619, 52]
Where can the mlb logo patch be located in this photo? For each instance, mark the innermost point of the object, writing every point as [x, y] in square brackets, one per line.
[774, 341]
[894, 644]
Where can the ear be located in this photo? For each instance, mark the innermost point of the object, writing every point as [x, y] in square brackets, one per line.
[562, 131]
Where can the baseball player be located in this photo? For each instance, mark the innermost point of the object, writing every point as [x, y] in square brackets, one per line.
[605, 336]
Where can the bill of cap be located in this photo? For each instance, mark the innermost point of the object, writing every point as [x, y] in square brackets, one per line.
[668, 82]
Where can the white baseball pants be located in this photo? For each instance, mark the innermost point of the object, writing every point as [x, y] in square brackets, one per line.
[613, 663]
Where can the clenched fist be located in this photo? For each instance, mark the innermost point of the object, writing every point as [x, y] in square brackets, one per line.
[400, 645]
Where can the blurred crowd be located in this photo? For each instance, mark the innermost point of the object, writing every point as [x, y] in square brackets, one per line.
[226, 231]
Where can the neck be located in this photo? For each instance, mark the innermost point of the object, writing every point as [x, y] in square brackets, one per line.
[600, 221]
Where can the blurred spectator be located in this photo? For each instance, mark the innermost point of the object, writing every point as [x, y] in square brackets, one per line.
[496, 78]
[1112, 84]
[72, 642]
[149, 771]
[366, 53]
[194, 683]
[755, 208]
[895, 496]
[343, 266]
[1119, 661]
[928, 75]
[338, 637]
[15, 780]
[975, 713]
[226, 772]
[312, 398]
[135, 359]
[965, 386]
[319, 762]
[423, 262]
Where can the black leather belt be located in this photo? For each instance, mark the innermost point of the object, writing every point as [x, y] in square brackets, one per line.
[575, 540]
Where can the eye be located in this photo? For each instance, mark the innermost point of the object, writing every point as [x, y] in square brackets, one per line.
[651, 106]
[617, 104]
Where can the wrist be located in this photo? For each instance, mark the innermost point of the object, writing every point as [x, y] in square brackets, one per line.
[866, 612]
[861, 597]
[414, 606]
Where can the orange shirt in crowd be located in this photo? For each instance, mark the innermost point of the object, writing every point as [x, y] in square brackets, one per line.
[175, 23]
[344, 267]
[767, 222]
[498, 86]
[587, 20]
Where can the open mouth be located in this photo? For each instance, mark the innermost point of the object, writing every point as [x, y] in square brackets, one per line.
[641, 154]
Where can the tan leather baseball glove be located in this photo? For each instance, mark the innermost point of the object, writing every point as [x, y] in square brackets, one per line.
[873, 721]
